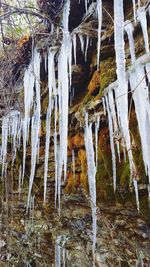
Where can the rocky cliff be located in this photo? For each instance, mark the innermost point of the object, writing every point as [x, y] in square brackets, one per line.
[53, 233]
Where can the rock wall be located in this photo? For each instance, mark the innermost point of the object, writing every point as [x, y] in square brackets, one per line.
[123, 234]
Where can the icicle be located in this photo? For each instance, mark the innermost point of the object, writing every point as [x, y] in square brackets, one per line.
[29, 81]
[88, 139]
[139, 3]
[58, 252]
[64, 70]
[129, 29]
[110, 121]
[143, 21]
[5, 126]
[87, 45]
[14, 126]
[134, 9]
[97, 123]
[56, 152]
[48, 127]
[19, 185]
[73, 165]
[35, 128]
[52, 90]
[124, 149]
[64, 256]
[141, 101]
[114, 119]
[99, 12]
[75, 48]
[86, 6]
[148, 71]
[136, 194]
[45, 61]
[104, 105]
[81, 38]
[121, 91]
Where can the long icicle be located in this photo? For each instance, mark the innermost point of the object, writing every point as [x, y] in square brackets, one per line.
[129, 30]
[110, 121]
[52, 90]
[99, 12]
[143, 21]
[88, 139]
[64, 70]
[29, 81]
[48, 133]
[121, 91]
[140, 97]
[35, 128]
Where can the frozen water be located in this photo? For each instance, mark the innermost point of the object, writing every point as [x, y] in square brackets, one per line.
[88, 139]
[141, 12]
[129, 29]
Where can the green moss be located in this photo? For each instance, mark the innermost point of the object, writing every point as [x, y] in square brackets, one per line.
[104, 180]
[125, 176]
[124, 264]
[104, 184]
[144, 208]
[107, 73]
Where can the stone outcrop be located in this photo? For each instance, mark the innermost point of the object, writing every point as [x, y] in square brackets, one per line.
[123, 233]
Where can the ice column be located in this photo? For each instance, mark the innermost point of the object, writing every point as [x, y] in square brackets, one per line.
[88, 139]
[35, 125]
[64, 80]
[142, 108]
[143, 21]
[110, 121]
[29, 80]
[129, 29]
[99, 12]
[122, 89]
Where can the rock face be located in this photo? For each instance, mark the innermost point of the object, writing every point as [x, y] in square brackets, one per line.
[42, 237]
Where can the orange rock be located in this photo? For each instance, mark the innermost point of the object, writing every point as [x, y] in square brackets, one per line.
[76, 141]
[23, 40]
[72, 183]
[95, 82]
[83, 175]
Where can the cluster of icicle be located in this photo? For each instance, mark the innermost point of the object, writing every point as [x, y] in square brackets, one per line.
[116, 100]
[14, 126]
[58, 103]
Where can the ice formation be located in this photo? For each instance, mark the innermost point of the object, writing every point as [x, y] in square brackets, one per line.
[56, 151]
[99, 12]
[58, 252]
[48, 131]
[134, 9]
[136, 194]
[141, 12]
[5, 132]
[141, 101]
[35, 123]
[129, 29]
[73, 164]
[29, 80]
[64, 73]
[88, 139]
[97, 124]
[121, 92]
[110, 120]
[11, 125]
[74, 40]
